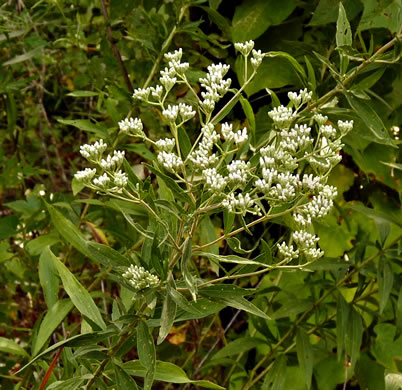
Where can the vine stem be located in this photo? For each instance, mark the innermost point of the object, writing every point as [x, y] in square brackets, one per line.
[289, 333]
[164, 47]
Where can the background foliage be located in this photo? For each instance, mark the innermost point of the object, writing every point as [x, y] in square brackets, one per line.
[62, 85]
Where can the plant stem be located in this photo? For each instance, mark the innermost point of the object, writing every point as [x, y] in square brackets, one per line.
[164, 47]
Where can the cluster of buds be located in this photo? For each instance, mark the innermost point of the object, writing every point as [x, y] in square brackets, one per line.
[140, 278]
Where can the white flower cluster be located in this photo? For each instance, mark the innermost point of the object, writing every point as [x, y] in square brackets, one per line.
[239, 137]
[140, 278]
[215, 86]
[166, 144]
[244, 48]
[282, 116]
[298, 138]
[113, 163]
[213, 180]
[238, 171]
[203, 157]
[130, 125]
[170, 161]
[300, 98]
[258, 56]
[241, 204]
[86, 175]
[345, 127]
[287, 252]
[307, 244]
[93, 152]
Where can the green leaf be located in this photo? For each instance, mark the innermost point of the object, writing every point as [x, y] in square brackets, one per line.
[83, 93]
[167, 317]
[8, 226]
[185, 269]
[11, 347]
[371, 119]
[24, 57]
[305, 355]
[224, 290]
[141, 149]
[385, 279]
[276, 376]
[80, 297]
[242, 304]
[106, 255]
[253, 17]
[277, 70]
[399, 310]
[377, 216]
[123, 380]
[248, 111]
[167, 372]
[353, 336]
[238, 346]
[220, 21]
[327, 11]
[36, 246]
[342, 316]
[208, 234]
[232, 259]
[86, 125]
[48, 278]
[177, 190]
[50, 322]
[381, 14]
[184, 142]
[146, 353]
[343, 30]
[182, 301]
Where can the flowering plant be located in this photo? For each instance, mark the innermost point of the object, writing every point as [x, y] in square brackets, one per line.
[224, 170]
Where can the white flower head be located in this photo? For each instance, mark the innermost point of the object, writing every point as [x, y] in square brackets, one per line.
[133, 126]
[282, 116]
[166, 144]
[238, 171]
[113, 162]
[102, 182]
[120, 179]
[141, 93]
[93, 152]
[258, 56]
[170, 114]
[244, 47]
[140, 278]
[170, 161]
[186, 112]
[213, 180]
[86, 175]
[345, 127]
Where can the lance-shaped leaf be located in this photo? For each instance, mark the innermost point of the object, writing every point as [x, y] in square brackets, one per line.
[146, 353]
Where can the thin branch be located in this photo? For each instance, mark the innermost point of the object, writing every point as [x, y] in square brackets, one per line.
[114, 47]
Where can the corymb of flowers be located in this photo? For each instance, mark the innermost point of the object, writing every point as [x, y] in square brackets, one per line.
[286, 170]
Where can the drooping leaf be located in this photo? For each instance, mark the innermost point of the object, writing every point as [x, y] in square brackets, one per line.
[11, 347]
[353, 336]
[80, 297]
[385, 279]
[50, 322]
[167, 317]
[146, 353]
[305, 355]
[48, 278]
[238, 346]
[123, 380]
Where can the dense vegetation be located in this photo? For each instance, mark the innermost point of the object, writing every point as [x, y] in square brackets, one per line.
[225, 307]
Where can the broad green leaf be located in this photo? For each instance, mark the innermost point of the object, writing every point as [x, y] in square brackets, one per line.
[83, 93]
[220, 21]
[86, 125]
[8, 226]
[253, 17]
[276, 377]
[48, 278]
[167, 372]
[399, 310]
[123, 380]
[371, 119]
[36, 246]
[185, 268]
[353, 336]
[377, 216]
[387, 347]
[141, 149]
[381, 14]
[305, 355]
[167, 317]
[106, 255]
[80, 297]
[242, 304]
[70, 384]
[277, 70]
[50, 322]
[342, 317]
[327, 11]
[369, 373]
[385, 279]
[238, 346]
[146, 353]
[343, 30]
[11, 347]
[291, 308]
